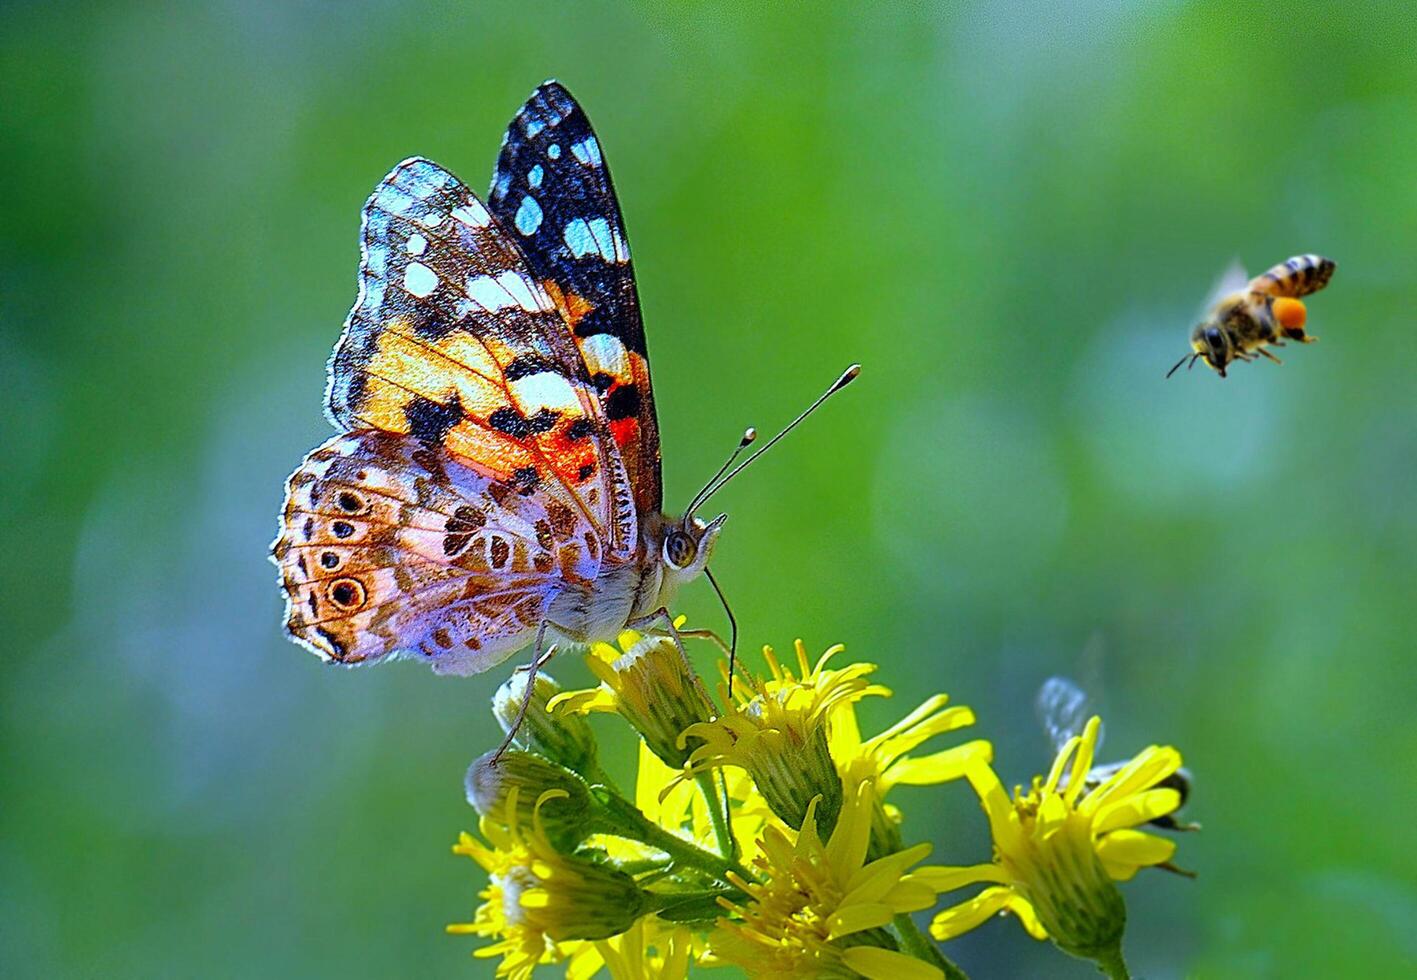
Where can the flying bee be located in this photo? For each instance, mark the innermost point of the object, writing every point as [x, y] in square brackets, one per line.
[1063, 710]
[1250, 317]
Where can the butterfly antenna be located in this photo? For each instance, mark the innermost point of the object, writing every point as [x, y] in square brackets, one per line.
[847, 376]
[749, 434]
[732, 629]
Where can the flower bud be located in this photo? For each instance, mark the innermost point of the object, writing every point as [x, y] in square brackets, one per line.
[1075, 899]
[568, 898]
[656, 694]
[561, 737]
[565, 817]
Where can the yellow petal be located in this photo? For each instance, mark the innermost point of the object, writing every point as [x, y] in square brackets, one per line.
[965, 916]
[902, 730]
[998, 807]
[937, 767]
[845, 734]
[1135, 847]
[1060, 762]
[1146, 770]
[585, 962]
[910, 896]
[854, 918]
[947, 879]
[875, 879]
[846, 849]
[1130, 811]
[1120, 870]
[1026, 916]
[875, 963]
[1082, 762]
[583, 701]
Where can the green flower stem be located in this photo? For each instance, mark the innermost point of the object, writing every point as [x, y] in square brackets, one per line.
[620, 817]
[1111, 963]
[914, 942]
[717, 808]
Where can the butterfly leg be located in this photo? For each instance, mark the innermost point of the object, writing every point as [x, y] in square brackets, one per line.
[537, 659]
[662, 614]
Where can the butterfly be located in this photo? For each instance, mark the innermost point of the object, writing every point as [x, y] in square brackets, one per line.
[496, 476]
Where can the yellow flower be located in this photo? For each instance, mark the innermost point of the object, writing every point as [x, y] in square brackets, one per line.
[884, 760]
[538, 901]
[648, 683]
[778, 733]
[1060, 846]
[651, 950]
[677, 806]
[820, 910]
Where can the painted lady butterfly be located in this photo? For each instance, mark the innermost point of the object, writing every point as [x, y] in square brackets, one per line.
[497, 472]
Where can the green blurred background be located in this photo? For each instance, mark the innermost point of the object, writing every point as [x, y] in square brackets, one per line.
[1010, 213]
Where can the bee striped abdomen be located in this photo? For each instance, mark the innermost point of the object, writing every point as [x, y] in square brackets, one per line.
[1295, 277]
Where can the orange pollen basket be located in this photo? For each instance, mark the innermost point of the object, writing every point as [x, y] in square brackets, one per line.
[1291, 313]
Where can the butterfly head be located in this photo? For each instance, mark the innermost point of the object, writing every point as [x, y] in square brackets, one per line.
[687, 547]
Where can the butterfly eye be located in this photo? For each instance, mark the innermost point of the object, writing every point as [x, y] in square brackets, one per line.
[679, 549]
[347, 593]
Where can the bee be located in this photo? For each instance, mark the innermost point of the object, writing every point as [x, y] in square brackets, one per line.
[1063, 710]
[1250, 317]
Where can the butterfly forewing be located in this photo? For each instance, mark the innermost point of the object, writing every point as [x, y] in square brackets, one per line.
[389, 545]
[500, 449]
[455, 343]
[552, 190]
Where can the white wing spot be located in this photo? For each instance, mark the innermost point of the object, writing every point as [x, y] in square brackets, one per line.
[473, 213]
[526, 293]
[393, 199]
[416, 244]
[419, 280]
[554, 151]
[604, 352]
[545, 390]
[507, 289]
[595, 235]
[528, 216]
[534, 175]
[377, 260]
[587, 151]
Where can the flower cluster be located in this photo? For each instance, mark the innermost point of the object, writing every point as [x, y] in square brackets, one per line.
[758, 833]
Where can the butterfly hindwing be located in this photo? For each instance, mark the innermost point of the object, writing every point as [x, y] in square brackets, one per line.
[454, 342]
[391, 546]
[552, 191]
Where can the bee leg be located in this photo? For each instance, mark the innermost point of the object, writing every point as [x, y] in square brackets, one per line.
[1270, 356]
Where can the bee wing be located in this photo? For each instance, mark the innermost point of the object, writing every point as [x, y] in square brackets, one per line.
[1063, 708]
[1233, 279]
